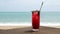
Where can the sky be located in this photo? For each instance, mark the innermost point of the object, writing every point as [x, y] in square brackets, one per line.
[28, 5]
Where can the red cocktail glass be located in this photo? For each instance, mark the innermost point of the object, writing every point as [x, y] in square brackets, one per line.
[35, 20]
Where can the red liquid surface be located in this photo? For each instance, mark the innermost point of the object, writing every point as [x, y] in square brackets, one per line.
[35, 21]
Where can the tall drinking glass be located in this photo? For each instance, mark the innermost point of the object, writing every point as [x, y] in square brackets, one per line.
[35, 20]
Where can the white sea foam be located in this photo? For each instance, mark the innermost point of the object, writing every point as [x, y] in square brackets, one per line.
[49, 24]
[29, 24]
[16, 24]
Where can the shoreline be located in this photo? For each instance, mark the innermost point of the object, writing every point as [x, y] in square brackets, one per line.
[14, 27]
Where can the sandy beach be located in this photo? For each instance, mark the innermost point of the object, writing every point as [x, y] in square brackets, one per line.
[12, 27]
[28, 30]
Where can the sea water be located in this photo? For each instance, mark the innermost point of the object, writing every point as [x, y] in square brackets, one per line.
[6, 17]
[50, 18]
[25, 18]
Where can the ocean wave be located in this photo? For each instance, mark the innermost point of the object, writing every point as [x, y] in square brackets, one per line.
[29, 24]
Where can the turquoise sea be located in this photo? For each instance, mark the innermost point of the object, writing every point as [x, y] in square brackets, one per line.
[50, 17]
[21, 17]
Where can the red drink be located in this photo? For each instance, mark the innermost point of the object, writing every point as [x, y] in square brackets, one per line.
[35, 20]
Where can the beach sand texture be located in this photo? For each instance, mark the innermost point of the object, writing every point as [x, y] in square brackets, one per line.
[27, 30]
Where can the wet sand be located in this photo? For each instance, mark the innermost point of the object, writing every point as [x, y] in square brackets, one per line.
[27, 30]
